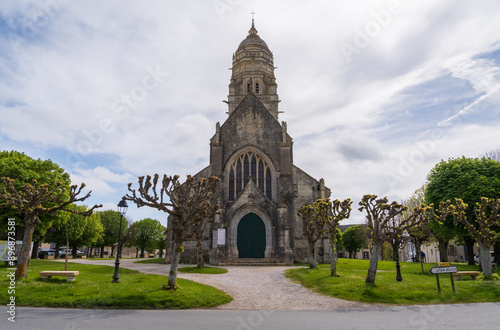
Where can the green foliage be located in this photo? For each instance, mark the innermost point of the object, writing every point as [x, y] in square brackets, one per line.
[146, 233]
[93, 289]
[110, 221]
[416, 288]
[466, 178]
[24, 169]
[354, 239]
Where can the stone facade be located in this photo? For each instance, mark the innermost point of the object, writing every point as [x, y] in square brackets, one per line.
[252, 153]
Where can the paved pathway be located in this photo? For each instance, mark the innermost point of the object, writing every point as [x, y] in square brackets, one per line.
[253, 288]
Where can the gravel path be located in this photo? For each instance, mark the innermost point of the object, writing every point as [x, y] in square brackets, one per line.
[253, 288]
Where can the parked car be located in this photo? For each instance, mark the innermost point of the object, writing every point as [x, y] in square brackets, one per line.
[492, 256]
[62, 253]
[45, 252]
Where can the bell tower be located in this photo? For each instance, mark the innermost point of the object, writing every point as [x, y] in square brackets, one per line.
[253, 71]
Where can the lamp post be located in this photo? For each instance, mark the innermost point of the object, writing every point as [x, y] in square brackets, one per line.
[122, 209]
[399, 278]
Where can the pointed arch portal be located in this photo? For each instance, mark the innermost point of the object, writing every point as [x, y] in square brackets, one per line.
[251, 237]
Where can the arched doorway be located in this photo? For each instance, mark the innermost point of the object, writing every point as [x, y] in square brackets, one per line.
[251, 237]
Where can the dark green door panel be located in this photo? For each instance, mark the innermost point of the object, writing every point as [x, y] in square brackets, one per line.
[251, 240]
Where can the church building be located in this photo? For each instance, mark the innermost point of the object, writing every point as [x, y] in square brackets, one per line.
[260, 188]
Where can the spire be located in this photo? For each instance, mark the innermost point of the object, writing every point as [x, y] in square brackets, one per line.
[252, 30]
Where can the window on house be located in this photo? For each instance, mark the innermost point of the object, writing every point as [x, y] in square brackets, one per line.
[249, 166]
[257, 88]
[248, 87]
[366, 255]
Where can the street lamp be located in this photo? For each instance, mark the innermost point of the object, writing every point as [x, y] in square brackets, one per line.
[122, 209]
[399, 278]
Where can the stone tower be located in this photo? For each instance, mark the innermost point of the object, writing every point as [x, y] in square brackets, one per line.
[252, 153]
[253, 71]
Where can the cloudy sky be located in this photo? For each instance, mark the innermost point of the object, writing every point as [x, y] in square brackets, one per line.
[375, 93]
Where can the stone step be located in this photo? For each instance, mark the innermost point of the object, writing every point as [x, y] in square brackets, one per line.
[252, 262]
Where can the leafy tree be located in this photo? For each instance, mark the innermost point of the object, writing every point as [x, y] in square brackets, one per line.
[487, 217]
[340, 211]
[379, 216]
[31, 201]
[110, 221]
[24, 169]
[468, 179]
[146, 234]
[354, 239]
[315, 218]
[188, 203]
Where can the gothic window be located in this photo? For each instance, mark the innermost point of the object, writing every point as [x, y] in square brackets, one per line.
[256, 88]
[249, 166]
[248, 87]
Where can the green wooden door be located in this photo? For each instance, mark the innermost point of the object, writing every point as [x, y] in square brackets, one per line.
[251, 238]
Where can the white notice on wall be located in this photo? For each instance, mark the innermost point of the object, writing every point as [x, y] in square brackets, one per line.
[221, 236]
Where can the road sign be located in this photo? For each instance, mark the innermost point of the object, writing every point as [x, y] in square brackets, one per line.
[443, 270]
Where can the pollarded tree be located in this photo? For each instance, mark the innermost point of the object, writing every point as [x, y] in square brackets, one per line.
[488, 219]
[32, 201]
[354, 239]
[186, 202]
[379, 216]
[207, 217]
[315, 218]
[341, 210]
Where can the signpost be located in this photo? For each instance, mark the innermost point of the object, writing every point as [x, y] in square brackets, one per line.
[444, 268]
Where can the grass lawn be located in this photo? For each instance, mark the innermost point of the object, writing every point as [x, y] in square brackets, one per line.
[204, 270]
[93, 289]
[151, 261]
[416, 288]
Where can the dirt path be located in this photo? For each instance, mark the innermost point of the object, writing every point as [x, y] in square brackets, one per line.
[253, 288]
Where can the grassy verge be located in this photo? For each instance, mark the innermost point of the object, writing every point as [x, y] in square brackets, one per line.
[151, 261]
[416, 288]
[93, 289]
[204, 270]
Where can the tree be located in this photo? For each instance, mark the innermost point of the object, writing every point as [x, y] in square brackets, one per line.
[468, 179]
[24, 169]
[420, 233]
[379, 216]
[340, 211]
[315, 217]
[31, 201]
[494, 155]
[111, 226]
[354, 239]
[200, 226]
[147, 233]
[487, 215]
[188, 203]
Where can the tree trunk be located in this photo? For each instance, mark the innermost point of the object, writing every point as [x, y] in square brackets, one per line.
[142, 252]
[24, 255]
[137, 252]
[485, 260]
[67, 253]
[333, 261]
[443, 251]
[372, 268]
[102, 252]
[56, 250]
[350, 255]
[200, 262]
[172, 274]
[112, 250]
[470, 252]
[74, 251]
[34, 253]
[312, 256]
[418, 246]
[161, 252]
[395, 252]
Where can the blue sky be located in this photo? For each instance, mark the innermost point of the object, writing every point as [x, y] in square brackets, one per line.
[375, 93]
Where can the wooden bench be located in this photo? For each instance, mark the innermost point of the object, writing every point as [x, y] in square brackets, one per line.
[472, 274]
[70, 275]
